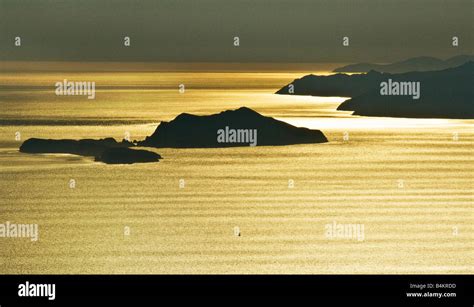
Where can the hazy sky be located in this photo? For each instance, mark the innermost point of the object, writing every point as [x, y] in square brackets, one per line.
[203, 30]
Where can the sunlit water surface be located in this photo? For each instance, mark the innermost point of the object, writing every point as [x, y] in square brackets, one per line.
[408, 181]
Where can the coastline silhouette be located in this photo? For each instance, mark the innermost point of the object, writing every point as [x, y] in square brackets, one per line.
[423, 63]
[445, 93]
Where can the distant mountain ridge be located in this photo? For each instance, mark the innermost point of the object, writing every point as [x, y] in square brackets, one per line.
[447, 93]
[423, 63]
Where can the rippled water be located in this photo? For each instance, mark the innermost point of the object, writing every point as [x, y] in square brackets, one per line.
[409, 182]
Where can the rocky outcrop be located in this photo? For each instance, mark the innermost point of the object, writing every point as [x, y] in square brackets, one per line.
[241, 127]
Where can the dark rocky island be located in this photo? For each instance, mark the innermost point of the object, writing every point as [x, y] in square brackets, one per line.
[241, 127]
[123, 155]
[447, 93]
[248, 127]
[107, 150]
[413, 64]
[341, 85]
[443, 94]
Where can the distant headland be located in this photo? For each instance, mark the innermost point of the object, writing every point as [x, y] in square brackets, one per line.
[423, 63]
[445, 93]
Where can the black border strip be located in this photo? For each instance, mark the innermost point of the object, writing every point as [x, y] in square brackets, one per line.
[71, 288]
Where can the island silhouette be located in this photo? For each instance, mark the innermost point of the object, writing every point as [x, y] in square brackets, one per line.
[185, 131]
[106, 150]
[193, 131]
[445, 93]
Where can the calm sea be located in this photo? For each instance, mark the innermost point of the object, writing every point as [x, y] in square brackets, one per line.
[408, 182]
